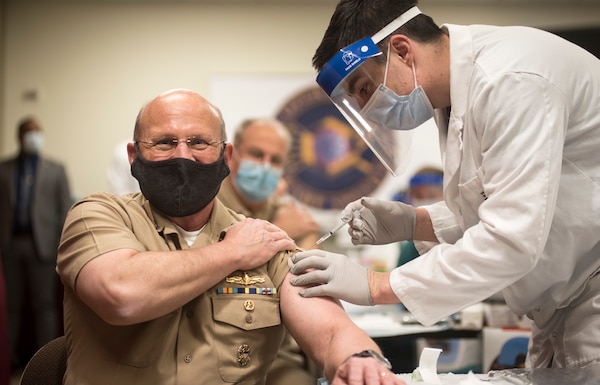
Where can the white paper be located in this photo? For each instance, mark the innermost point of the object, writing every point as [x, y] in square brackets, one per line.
[428, 365]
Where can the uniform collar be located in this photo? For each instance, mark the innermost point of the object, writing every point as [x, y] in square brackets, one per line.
[220, 219]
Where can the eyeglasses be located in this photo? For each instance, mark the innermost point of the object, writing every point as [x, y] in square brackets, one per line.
[170, 144]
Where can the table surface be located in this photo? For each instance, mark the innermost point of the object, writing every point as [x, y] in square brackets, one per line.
[589, 375]
[383, 321]
[390, 320]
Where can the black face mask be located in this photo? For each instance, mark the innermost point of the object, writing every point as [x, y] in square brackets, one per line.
[178, 187]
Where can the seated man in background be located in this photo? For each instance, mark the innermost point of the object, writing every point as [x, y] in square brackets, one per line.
[425, 187]
[168, 286]
[260, 150]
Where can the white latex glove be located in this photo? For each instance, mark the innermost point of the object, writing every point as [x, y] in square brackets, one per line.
[377, 222]
[334, 275]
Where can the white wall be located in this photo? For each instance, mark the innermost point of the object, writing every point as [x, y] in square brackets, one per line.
[95, 64]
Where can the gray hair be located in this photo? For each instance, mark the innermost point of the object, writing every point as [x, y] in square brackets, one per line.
[281, 129]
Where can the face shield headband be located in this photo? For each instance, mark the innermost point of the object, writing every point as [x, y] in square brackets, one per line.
[338, 79]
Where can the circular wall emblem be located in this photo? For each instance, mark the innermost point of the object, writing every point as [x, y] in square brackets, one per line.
[329, 165]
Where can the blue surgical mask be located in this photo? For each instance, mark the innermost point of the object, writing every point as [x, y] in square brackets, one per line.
[255, 181]
[33, 142]
[398, 112]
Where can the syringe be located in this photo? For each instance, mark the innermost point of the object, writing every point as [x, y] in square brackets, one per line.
[330, 233]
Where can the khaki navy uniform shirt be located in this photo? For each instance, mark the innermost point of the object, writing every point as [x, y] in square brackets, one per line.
[229, 338]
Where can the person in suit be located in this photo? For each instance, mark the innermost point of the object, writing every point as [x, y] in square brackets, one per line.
[34, 200]
[4, 352]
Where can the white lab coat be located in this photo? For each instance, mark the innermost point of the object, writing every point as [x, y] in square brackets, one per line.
[521, 154]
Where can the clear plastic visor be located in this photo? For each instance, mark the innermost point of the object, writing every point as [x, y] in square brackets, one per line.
[392, 147]
[346, 79]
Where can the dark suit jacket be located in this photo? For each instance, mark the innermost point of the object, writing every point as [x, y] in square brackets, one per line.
[50, 202]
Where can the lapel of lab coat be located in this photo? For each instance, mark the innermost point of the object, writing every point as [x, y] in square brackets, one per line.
[452, 127]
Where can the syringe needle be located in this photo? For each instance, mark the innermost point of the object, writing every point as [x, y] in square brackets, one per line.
[330, 233]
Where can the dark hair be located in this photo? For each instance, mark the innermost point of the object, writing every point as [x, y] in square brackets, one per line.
[353, 20]
[24, 125]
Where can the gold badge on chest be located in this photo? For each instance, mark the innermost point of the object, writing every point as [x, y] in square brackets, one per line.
[245, 279]
[243, 355]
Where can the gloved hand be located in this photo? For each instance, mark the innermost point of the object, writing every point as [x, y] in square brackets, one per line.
[334, 275]
[378, 222]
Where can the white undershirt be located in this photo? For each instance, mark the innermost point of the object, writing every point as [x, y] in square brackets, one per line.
[189, 236]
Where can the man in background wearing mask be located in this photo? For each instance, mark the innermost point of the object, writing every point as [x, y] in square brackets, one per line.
[425, 187]
[34, 200]
[168, 286]
[260, 150]
[519, 132]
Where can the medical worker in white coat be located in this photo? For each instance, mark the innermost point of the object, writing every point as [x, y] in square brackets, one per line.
[518, 112]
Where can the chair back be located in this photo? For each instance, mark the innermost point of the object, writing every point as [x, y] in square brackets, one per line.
[48, 364]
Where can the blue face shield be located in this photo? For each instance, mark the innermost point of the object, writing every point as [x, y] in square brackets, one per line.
[383, 114]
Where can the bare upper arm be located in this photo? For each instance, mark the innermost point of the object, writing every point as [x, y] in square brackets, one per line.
[312, 321]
